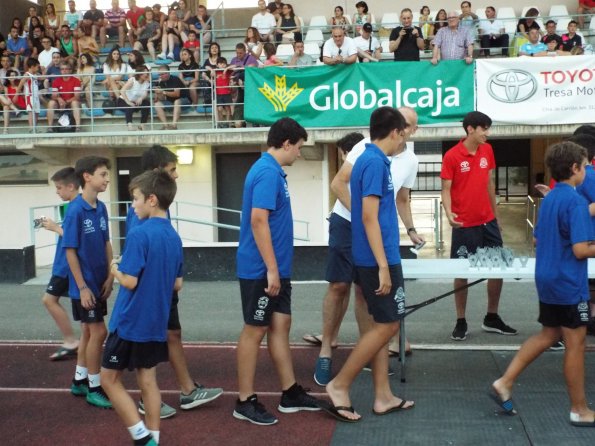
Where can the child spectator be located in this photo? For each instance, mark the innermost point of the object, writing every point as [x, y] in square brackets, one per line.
[193, 44]
[270, 52]
[223, 92]
[170, 36]
[150, 270]
[563, 237]
[30, 90]
[188, 74]
[89, 253]
[16, 98]
[149, 34]
[6, 100]
[67, 188]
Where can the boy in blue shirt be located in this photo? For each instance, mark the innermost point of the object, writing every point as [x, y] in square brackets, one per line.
[564, 235]
[375, 246]
[159, 158]
[150, 269]
[264, 258]
[67, 188]
[89, 253]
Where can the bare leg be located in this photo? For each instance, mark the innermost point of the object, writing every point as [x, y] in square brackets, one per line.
[494, 289]
[61, 318]
[460, 298]
[81, 357]
[178, 361]
[278, 344]
[122, 402]
[97, 334]
[151, 396]
[363, 318]
[247, 355]
[332, 314]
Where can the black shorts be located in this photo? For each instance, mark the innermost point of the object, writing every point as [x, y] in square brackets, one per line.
[258, 307]
[93, 315]
[224, 100]
[58, 286]
[465, 241]
[119, 354]
[339, 262]
[569, 316]
[388, 308]
[143, 43]
[113, 31]
[173, 323]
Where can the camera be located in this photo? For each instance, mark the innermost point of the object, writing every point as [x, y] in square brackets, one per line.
[38, 222]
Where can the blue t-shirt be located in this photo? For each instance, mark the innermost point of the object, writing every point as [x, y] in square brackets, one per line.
[587, 188]
[60, 267]
[564, 220]
[153, 255]
[371, 176]
[266, 188]
[132, 219]
[86, 229]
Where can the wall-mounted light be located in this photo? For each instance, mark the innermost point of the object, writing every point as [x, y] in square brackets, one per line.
[185, 155]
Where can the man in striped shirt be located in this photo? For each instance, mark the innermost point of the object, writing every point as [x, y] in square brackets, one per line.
[452, 43]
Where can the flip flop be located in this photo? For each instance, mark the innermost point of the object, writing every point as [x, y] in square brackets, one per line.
[64, 353]
[396, 354]
[333, 411]
[506, 406]
[314, 339]
[397, 408]
[578, 423]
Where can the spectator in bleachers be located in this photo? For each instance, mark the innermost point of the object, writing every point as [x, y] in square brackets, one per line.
[440, 21]
[16, 22]
[189, 74]
[528, 23]
[468, 20]
[52, 21]
[5, 65]
[340, 19]
[35, 37]
[86, 73]
[17, 48]
[492, 33]
[253, 42]
[534, 47]
[149, 34]
[264, 22]
[86, 44]
[571, 39]
[192, 44]
[135, 17]
[275, 11]
[158, 15]
[115, 24]
[66, 96]
[29, 89]
[368, 46]
[171, 36]
[14, 102]
[114, 70]
[299, 58]
[200, 25]
[222, 83]
[72, 17]
[93, 20]
[170, 92]
[182, 10]
[67, 43]
[406, 41]
[6, 102]
[339, 49]
[208, 66]
[45, 56]
[585, 7]
[135, 59]
[552, 47]
[270, 52]
[289, 25]
[275, 5]
[2, 45]
[134, 96]
[452, 43]
[32, 20]
[237, 65]
[52, 70]
[363, 15]
[426, 25]
[550, 33]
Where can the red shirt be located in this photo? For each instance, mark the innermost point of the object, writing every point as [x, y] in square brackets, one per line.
[192, 45]
[587, 3]
[135, 16]
[20, 102]
[67, 87]
[470, 176]
[222, 82]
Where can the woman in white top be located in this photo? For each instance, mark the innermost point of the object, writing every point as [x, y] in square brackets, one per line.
[52, 21]
[134, 95]
[361, 17]
[114, 70]
[253, 42]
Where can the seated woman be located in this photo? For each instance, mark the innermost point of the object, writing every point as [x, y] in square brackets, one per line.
[114, 70]
[86, 74]
[171, 35]
[135, 59]
[289, 26]
[52, 21]
[270, 51]
[528, 22]
[362, 16]
[134, 96]
[209, 66]
[6, 99]
[439, 22]
[86, 44]
[340, 19]
[150, 34]
[253, 42]
[188, 73]
[32, 20]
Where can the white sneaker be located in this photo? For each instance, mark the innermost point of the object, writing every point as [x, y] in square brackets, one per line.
[170, 56]
[131, 126]
[161, 56]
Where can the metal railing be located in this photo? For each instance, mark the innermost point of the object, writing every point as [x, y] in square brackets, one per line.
[531, 216]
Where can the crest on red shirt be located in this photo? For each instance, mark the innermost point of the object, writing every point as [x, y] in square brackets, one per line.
[465, 166]
[483, 163]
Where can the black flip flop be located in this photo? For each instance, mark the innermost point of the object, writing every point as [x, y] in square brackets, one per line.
[333, 411]
[64, 353]
[506, 406]
[396, 354]
[315, 339]
[397, 408]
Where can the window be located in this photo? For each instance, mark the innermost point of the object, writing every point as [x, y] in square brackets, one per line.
[18, 168]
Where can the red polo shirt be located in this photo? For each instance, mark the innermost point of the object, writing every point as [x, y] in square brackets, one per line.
[67, 87]
[470, 176]
[135, 16]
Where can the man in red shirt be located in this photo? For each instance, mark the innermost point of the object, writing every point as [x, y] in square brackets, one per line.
[469, 200]
[66, 95]
[584, 7]
[134, 19]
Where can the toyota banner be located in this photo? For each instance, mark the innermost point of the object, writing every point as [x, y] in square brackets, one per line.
[544, 90]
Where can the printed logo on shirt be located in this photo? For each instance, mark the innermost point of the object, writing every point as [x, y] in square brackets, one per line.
[88, 226]
[263, 302]
[400, 300]
[102, 224]
[390, 182]
[583, 311]
[259, 315]
[483, 163]
[286, 190]
[465, 166]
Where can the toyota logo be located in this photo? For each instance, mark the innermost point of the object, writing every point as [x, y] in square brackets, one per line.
[512, 86]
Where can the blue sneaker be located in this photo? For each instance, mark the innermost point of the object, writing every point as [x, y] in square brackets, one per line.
[322, 374]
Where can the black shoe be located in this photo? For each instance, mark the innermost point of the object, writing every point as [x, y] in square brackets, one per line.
[254, 412]
[460, 332]
[300, 401]
[558, 346]
[497, 325]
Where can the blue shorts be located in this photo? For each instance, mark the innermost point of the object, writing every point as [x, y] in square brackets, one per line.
[390, 307]
[465, 241]
[339, 263]
[258, 307]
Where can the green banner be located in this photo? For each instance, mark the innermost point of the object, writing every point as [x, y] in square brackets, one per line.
[346, 95]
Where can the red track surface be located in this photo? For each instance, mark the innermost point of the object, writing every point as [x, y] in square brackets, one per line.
[36, 406]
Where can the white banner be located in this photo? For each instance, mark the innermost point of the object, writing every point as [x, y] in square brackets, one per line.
[544, 90]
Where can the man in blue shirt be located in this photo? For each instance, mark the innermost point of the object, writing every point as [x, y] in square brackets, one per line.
[375, 246]
[17, 48]
[264, 259]
[534, 47]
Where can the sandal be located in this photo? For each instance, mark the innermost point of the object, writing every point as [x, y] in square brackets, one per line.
[64, 353]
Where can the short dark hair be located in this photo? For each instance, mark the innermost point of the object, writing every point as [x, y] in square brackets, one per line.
[32, 62]
[164, 67]
[476, 119]
[240, 46]
[587, 141]
[560, 158]
[384, 120]
[462, 3]
[549, 39]
[285, 129]
[89, 164]
[348, 141]
[585, 129]
[572, 22]
[157, 157]
[157, 183]
[549, 22]
[363, 5]
[532, 12]
[221, 59]
[67, 175]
